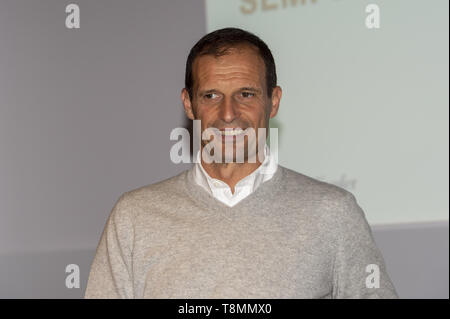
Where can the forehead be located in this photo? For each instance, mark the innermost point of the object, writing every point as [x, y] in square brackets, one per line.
[240, 66]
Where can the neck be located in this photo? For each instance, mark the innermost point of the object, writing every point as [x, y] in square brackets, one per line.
[230, 173]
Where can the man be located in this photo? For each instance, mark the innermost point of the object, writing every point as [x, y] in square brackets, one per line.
[230, 228]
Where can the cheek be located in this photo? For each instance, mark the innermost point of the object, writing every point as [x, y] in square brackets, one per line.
[258, 117]
[207, 117]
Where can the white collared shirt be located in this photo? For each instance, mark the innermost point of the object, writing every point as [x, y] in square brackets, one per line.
[246, 186]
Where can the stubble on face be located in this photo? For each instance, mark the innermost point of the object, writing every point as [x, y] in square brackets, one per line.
[230, 92]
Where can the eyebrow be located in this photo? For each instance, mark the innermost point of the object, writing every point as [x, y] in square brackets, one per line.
[253, 89]
[245, 88]
[207, 91]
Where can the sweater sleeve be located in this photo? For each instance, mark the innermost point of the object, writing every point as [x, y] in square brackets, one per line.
[111, 274]
[359, 268]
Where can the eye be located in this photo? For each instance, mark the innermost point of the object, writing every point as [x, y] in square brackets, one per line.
[247, 94]
[210, 96]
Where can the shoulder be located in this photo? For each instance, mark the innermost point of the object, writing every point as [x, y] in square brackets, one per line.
[160, 188]
[312, 187]
[336, 203]
[151, 195]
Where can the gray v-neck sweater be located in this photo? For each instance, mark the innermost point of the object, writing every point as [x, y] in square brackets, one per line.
[294, 237]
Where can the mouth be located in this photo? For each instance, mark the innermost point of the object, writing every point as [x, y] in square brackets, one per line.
[231, 135]
[233, 132]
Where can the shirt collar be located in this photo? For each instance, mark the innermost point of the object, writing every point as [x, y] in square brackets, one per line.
[263, 173]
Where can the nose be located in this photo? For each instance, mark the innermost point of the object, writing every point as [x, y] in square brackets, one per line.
[229, 110]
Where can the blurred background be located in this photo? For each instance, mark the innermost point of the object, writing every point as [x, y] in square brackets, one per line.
[86, 114]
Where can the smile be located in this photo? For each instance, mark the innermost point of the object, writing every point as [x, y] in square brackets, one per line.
[234, 132]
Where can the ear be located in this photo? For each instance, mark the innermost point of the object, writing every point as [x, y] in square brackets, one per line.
[276, 98]
[187, 104]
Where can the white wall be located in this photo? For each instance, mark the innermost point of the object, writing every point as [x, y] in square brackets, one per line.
[366, 109]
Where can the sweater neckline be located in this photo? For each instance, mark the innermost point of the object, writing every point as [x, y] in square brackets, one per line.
[266, 191]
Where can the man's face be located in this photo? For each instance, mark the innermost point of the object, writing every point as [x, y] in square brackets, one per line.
[230, 92]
